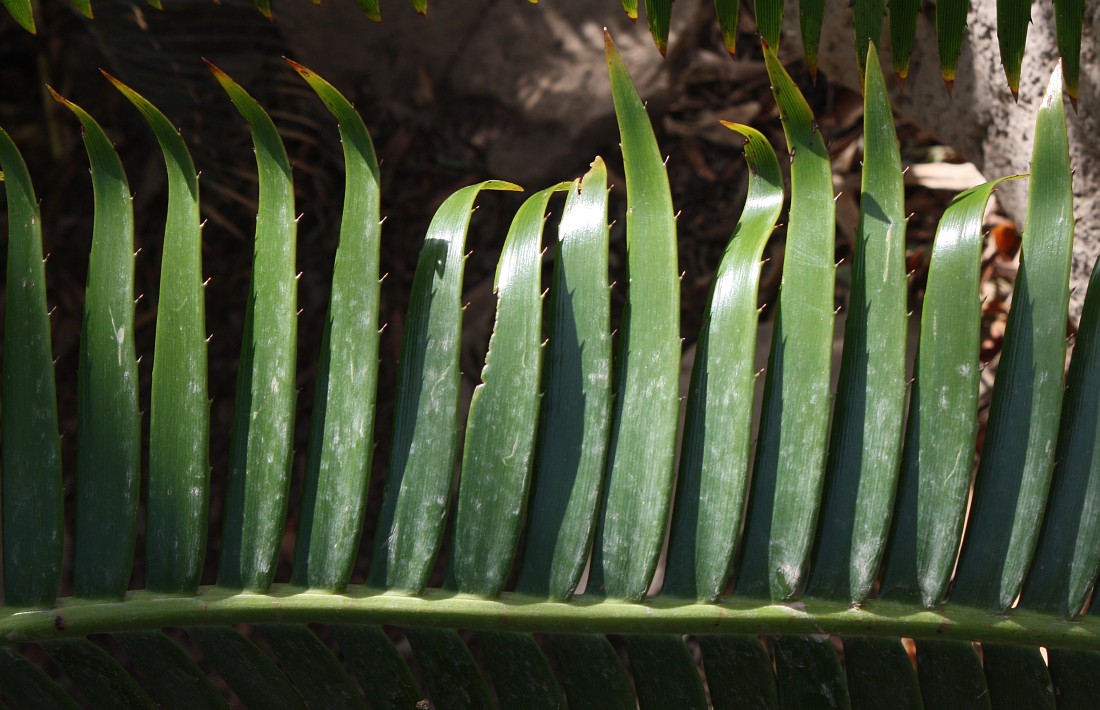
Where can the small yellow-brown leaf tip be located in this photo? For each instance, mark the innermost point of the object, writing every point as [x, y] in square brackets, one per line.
[303, 71]
[221, 76]
[1015, 93]
[949, 84]
[1073, 101]
[901, 84]
[58, 97]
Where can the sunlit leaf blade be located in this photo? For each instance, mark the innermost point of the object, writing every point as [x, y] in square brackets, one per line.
[717, 443]
[421, 6]
[575, 422]
[739, 672]
[591, 673]
[794, 425]
[521, 674]
[808, 673]
[658, 14]
[425, 438]
[1013, 18]
[1069, 16]
[26, 685]
[867, 20]
[22, 11]
[381, 671]
[108, 429]
[950, 675]
[769, 21]
[638, 487]
[261, 449]
[880, 674]
[371, 9]
[179, 411]
[865, 447]
[1076, 678]
[169, 673]
[96, 676]
[1022, 433]
[251, 674]
[32, 490]
[665, 676]
[341, 442]
[728, 12]
[1017, 676]
[950, 28]
[903, 28]
[1067, 555]
[84, 7]
[450, 673]
[943, 411]
[312, 667]
[811, 13]
[503, 419]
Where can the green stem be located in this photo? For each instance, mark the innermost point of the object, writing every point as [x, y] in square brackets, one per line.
[143, 610]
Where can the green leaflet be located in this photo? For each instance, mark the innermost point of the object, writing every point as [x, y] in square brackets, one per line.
[1067, 555]
[22, 12]
[591, 672]
[575, 421]
[728, 11]
[950, 675]
[865, 448]
[521, 674]
[251, 674]
[425, 438]
[260, 453]
[715, 455]
[658, 14]
[264, 6]
[867, 20]
[638, 486]
[100, 679]
[1018, 456]
[665, 675]
[1017, 676]
[108, 433]
[33, 497]
[808, 673]
[503, 419]
[943, 412]
[450, 673]
[371, 657]
[631, 8]
[790, 456]
[169, 673]
[1013, 17]
[950, 28]
[27, 685]
[811, 13]
[769, 20]
[341, 442]
[179, 412]
[903, 28]
[312, 667]
[371, 9]
[84, 7]
[1075, 677]
[1069, 17]
[880, 674]
[739, 671]
[421, 6]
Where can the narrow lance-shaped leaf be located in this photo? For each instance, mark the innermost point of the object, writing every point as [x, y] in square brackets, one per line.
[740, 673]
[1017, 677]
[98, 677]
[32, 490]
[22, 11]
[665, 674]
[658, 14]
[575, 421]
[500, 429]
[950, 675]
[108, 428]
[880, 674]
[769, 21]
[84, 7]
[312, 667]
[421, 6]
[903, 28]
[808, 673]
[451, 675]
[794, 426]
[943, 411]
[168, 671]
[1021, 436]
[425, 438]
[1067, 555]
[1013, 17]
[631, 8]
[341, 443]
[371, 9]
[811, 13]
[728, 11]
[638, 487]
[591, 672]
[179, 410]
[380, 669]
[27, 685]
[950, 28]
[1069, 18]
[867, 20]
[248, 671]
[715, 455]
[264, 6]
[521, 674]
[261, 449]
[865, 450]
